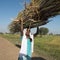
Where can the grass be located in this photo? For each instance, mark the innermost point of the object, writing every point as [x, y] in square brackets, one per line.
[48, 46]
[13, 38]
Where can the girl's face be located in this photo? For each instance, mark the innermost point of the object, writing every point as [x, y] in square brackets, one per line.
[27, 32]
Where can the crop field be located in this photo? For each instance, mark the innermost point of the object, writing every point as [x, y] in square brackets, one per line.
[46, 46]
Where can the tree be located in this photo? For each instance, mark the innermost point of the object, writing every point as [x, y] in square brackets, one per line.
[1, 32]
[43, 31]
[51, 33]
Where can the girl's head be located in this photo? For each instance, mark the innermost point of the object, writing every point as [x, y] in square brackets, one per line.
[27, 32]
[28, 29]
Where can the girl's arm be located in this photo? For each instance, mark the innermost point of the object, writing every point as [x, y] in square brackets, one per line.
[21, 27]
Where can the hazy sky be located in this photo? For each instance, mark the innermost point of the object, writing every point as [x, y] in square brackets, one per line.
[9, 9]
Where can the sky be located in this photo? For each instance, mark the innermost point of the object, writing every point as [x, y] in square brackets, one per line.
[9, 9]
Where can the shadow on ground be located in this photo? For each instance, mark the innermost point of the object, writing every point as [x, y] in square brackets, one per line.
[18, 45]
[38, 58]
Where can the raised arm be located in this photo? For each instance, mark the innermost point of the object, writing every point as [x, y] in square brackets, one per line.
[21, 27]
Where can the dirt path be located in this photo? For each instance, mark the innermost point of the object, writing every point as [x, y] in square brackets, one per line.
[7, 50]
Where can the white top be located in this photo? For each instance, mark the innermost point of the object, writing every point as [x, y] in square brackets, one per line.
[23, 49]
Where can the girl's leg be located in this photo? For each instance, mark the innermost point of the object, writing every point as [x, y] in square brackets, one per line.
[20, 58]
[28, 58]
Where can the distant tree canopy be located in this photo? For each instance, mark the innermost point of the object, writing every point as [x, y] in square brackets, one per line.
[36, 14]
[1, 32]
[43, 31]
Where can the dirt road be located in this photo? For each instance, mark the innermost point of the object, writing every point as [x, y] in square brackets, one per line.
[7, 50]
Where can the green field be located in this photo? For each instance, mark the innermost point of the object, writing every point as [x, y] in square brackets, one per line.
[47, 46]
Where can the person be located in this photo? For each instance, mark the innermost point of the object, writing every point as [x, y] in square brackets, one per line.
[26, 50]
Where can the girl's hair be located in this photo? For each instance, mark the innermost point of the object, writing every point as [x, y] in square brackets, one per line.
[27, 27]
